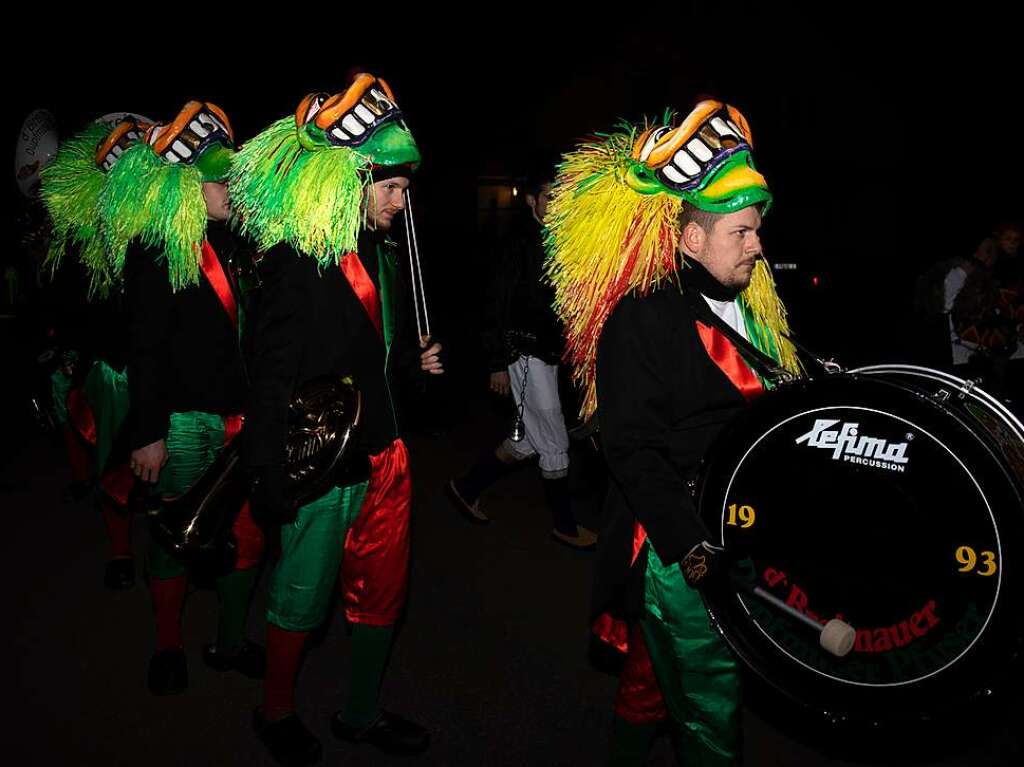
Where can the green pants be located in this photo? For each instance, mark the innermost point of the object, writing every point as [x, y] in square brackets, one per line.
[193, 441]
[695, 669]
[306, 576]
[60, 385]
[106, 391]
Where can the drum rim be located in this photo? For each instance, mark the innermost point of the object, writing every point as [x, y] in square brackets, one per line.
[963, 385]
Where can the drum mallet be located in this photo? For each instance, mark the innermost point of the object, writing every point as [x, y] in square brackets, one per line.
[836, 636]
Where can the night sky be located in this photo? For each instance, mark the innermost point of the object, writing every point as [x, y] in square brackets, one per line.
[885, 152]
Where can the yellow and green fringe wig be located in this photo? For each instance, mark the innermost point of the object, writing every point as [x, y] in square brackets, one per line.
[604, 240]
[70, 189]
[312, 200]
[161, 205]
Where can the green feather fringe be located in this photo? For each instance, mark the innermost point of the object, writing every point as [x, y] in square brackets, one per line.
[312, 200]
[71, 187]
[159, 204]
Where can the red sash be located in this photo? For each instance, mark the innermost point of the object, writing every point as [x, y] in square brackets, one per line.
[722, 352]
[364, 288]
[218, 279]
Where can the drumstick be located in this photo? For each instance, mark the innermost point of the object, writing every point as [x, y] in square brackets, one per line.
[836, 636]
[419, 297]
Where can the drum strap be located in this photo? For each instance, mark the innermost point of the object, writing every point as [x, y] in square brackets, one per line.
[761, 362]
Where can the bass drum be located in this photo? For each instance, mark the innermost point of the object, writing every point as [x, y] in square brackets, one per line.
[889, 497]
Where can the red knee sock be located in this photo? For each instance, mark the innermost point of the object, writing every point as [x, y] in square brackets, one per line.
[78, 455]
[119, 527]
[284, 653]
[168, 598]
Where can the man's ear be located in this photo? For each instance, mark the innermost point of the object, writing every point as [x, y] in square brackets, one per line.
[693, 238]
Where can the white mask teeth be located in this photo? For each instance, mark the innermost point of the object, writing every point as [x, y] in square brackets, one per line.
[198, 129]
[699, 150]
[721, 128]
[674, 175]
[686, 163]
[181, 149]
[364, 114]
[339, 134]
[382, 99]
[353, 126]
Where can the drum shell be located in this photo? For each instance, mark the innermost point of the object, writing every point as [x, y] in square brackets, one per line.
[891, 541]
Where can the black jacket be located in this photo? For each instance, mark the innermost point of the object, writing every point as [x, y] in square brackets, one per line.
[183, 349]
[662, 401]
[520, 298]
[307, 322]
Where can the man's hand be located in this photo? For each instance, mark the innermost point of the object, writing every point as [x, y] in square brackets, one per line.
[501, 383]
[705, 564]
[147, 461]
[430, 358]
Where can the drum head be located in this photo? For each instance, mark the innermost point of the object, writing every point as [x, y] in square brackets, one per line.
[867, 498]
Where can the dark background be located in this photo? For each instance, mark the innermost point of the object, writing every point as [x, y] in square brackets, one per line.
[889, 143]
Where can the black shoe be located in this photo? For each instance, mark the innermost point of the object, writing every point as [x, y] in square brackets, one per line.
[389, 732]
[472, 510]
[168, 672]
[288, 740]
[120, 574]
[250, 661]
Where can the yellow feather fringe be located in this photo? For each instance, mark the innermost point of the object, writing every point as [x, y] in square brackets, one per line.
[604, 240]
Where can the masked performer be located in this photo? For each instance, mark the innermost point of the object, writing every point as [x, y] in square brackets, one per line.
[95, 402]
[652, 231]
[319, 192]
[162, 210]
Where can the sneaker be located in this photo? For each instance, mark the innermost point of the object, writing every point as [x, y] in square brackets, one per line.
[288, 740]
[250, 660]
[389, 733]
[471, 511]
[584, 540]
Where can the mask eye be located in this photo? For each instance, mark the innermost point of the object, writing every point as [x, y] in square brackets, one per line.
[652, 141]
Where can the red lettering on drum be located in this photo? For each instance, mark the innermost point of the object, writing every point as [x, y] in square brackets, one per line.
[899, 634]
[797, 598]
[873, 640]
[882, 641]
[863, 643]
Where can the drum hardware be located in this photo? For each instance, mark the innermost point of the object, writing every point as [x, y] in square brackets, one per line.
[831, 366]
[827, 366]
[968, 387]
